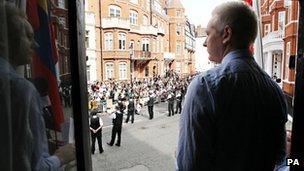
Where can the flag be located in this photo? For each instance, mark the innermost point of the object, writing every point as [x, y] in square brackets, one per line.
[45, 58]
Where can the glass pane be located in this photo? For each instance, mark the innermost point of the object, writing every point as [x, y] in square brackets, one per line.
[35, 81]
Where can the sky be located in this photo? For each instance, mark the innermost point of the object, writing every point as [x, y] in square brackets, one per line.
[199, 11]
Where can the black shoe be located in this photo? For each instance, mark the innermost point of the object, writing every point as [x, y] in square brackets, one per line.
[101, 151]
[118, 145]
[92, 152]
[110, 144]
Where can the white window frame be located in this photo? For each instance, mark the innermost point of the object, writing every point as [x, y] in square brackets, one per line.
[108, 41]
[133, 17]
[122, 70]
[114, 11]
[109, 67]
[281, 20]
[145, 42]
[122, 41]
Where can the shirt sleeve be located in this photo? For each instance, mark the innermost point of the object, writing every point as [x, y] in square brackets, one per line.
[196, 128]
[41, 159]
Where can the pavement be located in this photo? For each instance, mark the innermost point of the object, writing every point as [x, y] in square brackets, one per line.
[146, 145]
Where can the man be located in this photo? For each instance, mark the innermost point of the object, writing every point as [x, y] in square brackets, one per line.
[27, 147]
[178, 102]
[150, 105]
[234, 115]
[131, 111]
[96, 131]
[170, 103]
[117, 118]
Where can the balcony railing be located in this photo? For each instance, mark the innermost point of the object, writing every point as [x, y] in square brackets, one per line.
[138, 54]
[115, 23]
[148, 30]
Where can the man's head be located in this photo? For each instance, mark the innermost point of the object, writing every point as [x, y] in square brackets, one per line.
[21, 40]
[233, 25]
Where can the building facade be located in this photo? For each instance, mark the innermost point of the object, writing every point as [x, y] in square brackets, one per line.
[133, 39]
[59, 26]
[279, 30]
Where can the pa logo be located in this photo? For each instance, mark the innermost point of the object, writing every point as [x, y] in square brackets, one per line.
[292, 162]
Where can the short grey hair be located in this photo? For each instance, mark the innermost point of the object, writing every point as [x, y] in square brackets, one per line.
[241, 18]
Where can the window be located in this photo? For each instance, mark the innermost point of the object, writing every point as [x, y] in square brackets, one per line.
[122, 71]
[114, 11]
[86, 39]
[109, 71]
[178, 48]
[132, 45]
[145, 20]
[145, 44]
[281, 20]
[147, 71]
[133, 17]
[266, 29]
[134, 1]
[287, 60]
[108, 41]
[122, 41]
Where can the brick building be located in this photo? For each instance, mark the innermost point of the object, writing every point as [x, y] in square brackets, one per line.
[143, 37]
[279, 30]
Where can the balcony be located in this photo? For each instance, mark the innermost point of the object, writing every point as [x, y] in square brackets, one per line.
[169, 56]
[115, 23]
[141, 55]
[161, 31]
[273, 41]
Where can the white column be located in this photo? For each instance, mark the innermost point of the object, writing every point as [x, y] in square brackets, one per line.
[269, 65]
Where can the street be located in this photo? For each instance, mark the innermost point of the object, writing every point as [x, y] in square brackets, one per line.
[145, 145]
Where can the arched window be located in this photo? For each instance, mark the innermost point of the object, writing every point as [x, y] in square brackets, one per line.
[133, 17]
[122, 70]
[114, 11]
[109, 70]
[122, 41]
[108, 41]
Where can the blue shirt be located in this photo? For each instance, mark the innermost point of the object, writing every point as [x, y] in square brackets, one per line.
[20, 103]
[233, 119]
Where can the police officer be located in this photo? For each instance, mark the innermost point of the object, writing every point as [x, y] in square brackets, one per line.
[96, 130]
[170, 103]
[150, 105]
[178, 102]
[117, 118]
[131, 111]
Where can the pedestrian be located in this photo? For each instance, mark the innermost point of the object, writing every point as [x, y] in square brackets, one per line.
[178, 102]
[170, 100]
[131, 111]
[117, 118]
[96, 130]
[234, 115]
[150, 105]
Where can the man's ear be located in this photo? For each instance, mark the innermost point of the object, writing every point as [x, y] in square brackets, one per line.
[227, 34]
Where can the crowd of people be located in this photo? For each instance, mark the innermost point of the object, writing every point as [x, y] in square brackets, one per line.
[119, 98]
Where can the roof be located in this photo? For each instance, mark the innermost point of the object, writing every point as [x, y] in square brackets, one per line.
[175, 4]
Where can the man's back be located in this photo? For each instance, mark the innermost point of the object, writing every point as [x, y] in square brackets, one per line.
[238, 117]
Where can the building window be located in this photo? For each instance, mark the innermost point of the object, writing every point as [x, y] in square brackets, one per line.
[145, 44]
[147, 71]
[132, 45]
[145, 20]
[266, 29]
[86, 39]
[178, 48]
[122, 71]
[109, 71]
[134, 1]
[114, 11]
[122, 41]
[287, 60]
[281, 20]
[133, 17]
[108, 41]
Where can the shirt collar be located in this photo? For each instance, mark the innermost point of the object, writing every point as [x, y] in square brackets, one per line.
[244, 53]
